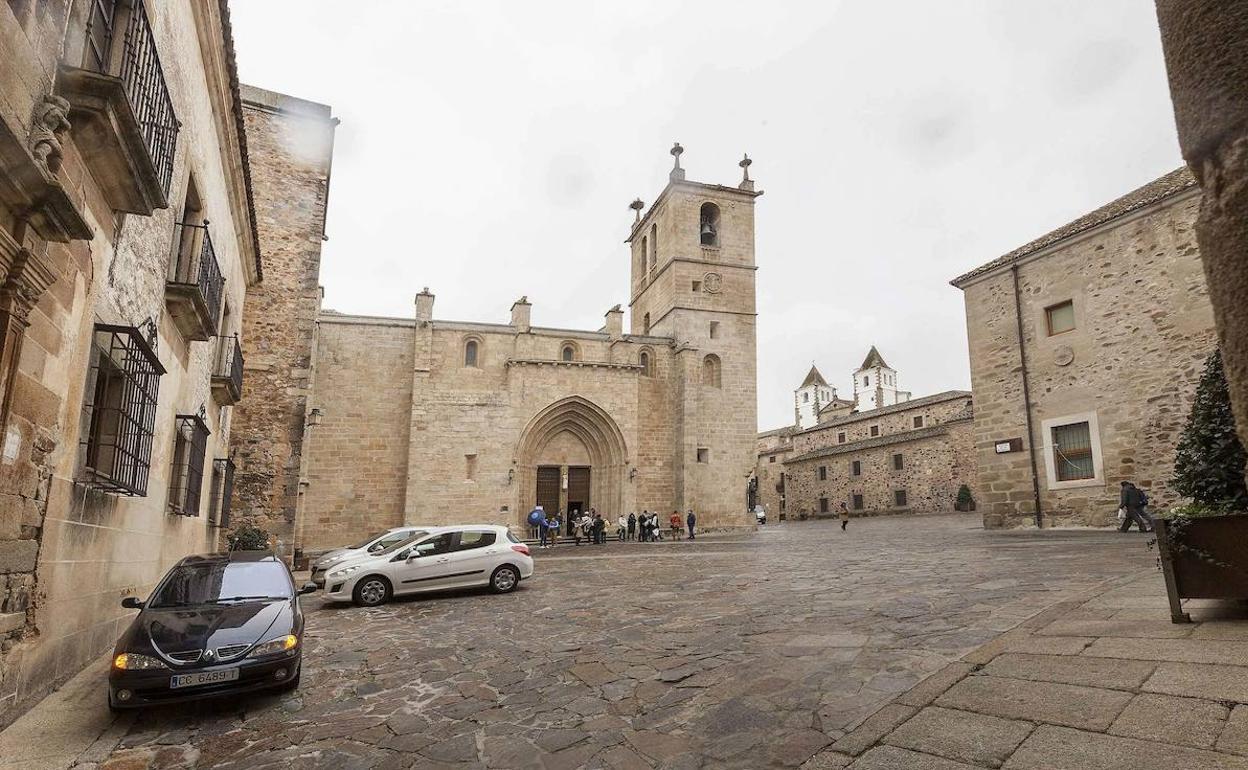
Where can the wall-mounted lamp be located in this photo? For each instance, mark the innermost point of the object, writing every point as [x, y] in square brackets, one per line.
[632, 473]
[314, 417]
[511, 474]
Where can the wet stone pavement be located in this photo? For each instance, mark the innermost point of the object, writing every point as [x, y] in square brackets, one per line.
[754, 651]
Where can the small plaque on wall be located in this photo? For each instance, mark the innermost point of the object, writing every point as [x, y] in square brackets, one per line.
[1009, 445]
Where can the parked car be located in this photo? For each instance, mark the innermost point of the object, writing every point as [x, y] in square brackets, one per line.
[443, 557]
[219, 624]
[370, 545]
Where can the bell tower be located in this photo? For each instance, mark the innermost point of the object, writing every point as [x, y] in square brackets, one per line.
[693, 283]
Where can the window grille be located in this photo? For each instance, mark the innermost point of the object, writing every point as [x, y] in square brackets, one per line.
[195, 265]
[823, 505]
[119, 410]
[899, 497]
[898, 462]
[823, 473]
[186, 478]
[856, 468]
[1072, 452]
[222, 491]
[857, 502]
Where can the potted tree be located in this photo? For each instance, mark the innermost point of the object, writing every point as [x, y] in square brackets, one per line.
[1204, 544]
[964, 502]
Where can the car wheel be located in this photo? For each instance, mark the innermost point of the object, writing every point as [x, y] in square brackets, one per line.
[371, 591]
[504, 580]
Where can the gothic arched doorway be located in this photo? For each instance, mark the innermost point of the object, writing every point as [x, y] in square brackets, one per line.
[572, 454]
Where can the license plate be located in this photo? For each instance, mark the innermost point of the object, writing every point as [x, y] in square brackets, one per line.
[203, 677]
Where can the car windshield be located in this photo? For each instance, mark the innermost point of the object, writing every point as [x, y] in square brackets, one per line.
[221, 582]
[412, 538]
[367, 540]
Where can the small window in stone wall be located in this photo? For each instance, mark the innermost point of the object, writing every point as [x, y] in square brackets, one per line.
[714, 330]
[875, 430]
[704, 455]
[1072, 452]
[898, 462]
[823, 473]
[918, 421]
[645, 324]
[568, 352]
[697, 287]
[857, 501]
[855, 468]
[899, 498]
[840, 438]
[771, 459]
[470, 467]
[470, 353]
[805, 398]
[186, 477]
[647, 369]
[823, 505]
[1060, 317]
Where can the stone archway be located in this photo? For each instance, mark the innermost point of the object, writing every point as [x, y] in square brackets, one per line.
[573, 433]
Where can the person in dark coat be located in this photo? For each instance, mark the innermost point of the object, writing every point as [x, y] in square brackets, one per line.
[690, 521]
[632, 525]
[1132, 500]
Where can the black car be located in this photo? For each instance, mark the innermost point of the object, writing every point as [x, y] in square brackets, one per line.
[217, 624]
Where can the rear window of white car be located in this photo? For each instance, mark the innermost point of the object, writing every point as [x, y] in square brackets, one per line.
[512, 537]
[470, 540]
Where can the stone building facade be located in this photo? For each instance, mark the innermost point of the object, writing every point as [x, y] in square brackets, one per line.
[1086, 346]
[906, 458]
[126, 250]
[768, 487]
[292, 149]
[433, 421]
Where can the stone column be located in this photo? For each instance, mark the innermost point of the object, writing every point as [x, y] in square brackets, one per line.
[23, 278]
[1206, 48]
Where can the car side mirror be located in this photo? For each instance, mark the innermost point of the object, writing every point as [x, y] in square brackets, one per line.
[132, 603]
[308, 588]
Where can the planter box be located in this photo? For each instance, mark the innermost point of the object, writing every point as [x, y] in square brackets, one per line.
[1203, 558]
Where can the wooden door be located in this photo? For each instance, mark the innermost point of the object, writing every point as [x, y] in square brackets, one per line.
[578, 488]
[548, 488]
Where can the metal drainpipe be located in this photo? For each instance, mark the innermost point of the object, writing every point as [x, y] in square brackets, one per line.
[1031, 441]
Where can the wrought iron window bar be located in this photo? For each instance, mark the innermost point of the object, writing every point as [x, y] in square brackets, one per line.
[186, 478]
[222, 491]
[195, 264]
[229, 364]
[138, 67]
[119, 410]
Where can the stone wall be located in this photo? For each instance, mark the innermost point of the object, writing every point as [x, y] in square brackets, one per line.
[774, 449]
[937, 458]
[89, 548]
[292, 144]
[1143, 328]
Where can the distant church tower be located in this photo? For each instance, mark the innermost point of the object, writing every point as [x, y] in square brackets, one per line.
[693, 284]
[875, 383]
[812, 395]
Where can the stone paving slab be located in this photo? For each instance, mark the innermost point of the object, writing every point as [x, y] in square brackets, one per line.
[1060, 704]
[1228, 683]
[1067, 669]
[1060, 748]
[1183, 721]
[961, 735]
[893, 758]
[1144, 628]
[1211, 651]
[1234, 738]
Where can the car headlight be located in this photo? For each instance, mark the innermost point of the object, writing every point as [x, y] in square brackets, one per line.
[132, 661]
[331, 560]
[274, 646]
[344, 571]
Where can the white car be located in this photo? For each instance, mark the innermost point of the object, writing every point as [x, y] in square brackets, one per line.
[436, 559]
[369, 545]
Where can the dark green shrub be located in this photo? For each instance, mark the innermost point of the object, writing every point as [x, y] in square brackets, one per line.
[248, 537]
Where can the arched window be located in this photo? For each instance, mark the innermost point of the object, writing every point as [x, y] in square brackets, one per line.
[642, 255]
[645, 324]
[644, 360]
[471, 348]
[866, 382]
[708, 224]
[567, 352]
[654, 245]
[711, 371]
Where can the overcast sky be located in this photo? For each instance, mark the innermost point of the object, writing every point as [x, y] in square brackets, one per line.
[490, 149]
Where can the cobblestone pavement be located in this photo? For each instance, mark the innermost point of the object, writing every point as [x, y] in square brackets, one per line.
[747, 652]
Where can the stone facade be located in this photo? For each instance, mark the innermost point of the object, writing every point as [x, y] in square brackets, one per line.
[125, 256]
[292, 146]
[774, 449]
[432, 421]
[922, 449]
[1115, 326]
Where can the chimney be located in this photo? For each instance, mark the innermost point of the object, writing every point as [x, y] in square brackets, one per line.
[520, 315]
[615, 323]
[424, 306]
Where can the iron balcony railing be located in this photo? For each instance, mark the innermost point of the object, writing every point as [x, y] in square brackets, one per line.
[229, 364]
[195, 264]
[138, 67]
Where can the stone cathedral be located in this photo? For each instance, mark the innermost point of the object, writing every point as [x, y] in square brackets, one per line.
[425, 420]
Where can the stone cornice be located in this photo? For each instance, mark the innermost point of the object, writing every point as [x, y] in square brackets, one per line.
[575, 364]
[879, 441]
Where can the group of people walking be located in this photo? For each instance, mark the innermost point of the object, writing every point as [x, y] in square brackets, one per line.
[592, 527]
